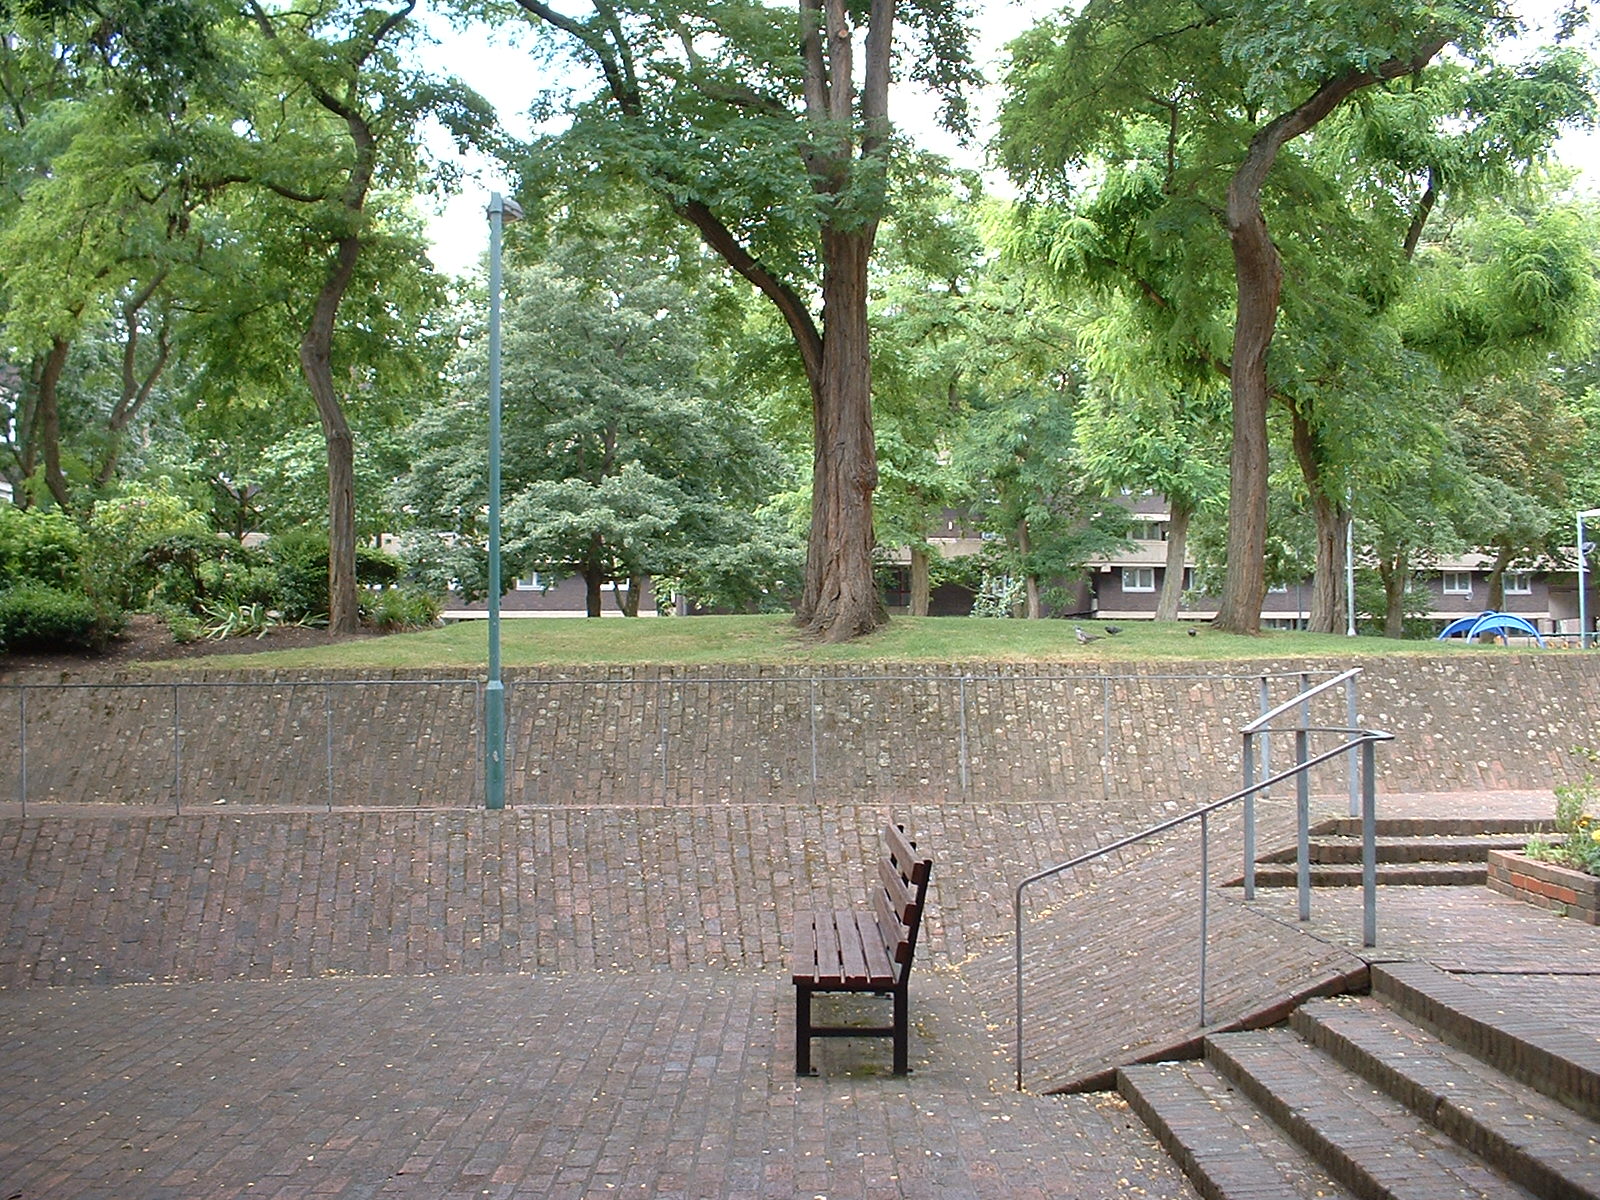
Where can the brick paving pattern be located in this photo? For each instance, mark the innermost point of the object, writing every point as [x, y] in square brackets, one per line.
[584, 995]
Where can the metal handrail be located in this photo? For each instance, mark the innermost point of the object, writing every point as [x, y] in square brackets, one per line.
[1364, 739]
[1258, 725]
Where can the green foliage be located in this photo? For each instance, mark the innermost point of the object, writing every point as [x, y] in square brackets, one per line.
[36, 616]
[1577, 822]
[299, 560]
[42, 547]
[407, 607]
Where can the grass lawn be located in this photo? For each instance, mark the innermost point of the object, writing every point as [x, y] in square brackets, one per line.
[696, 641]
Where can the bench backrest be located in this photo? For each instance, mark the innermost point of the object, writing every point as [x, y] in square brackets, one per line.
[899, 895]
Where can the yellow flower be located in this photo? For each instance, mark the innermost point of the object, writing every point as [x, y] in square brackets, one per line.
[1595, 836]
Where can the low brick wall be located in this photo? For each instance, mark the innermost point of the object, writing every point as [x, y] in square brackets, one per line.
[1570, 893]
[687, 736]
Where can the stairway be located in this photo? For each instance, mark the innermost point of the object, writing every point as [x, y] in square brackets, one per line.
[1415, 851]
[1427, 1088]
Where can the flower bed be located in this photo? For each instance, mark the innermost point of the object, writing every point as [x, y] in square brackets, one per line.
[1560, 889]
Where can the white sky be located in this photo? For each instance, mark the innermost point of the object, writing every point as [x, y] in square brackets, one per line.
[510, 78]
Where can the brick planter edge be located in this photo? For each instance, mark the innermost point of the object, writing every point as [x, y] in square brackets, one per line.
[1560, 889]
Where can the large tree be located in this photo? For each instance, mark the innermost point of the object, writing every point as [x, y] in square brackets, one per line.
[769, 133]
[1226, 88]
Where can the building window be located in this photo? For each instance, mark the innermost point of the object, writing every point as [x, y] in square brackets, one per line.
[1519, 583]
[1278, 589]
[1148, 531]
[1138, 579]
[530, 583]
[1458, 583]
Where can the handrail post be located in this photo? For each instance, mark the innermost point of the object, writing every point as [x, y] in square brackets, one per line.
[1249, 818]
[327, 736]
[1105, 737]
[22, 750]
[1016, 914]
[177, 757]
[1369, 847]
[961, 702]
[1264, 765]
[1205, 905]
[1352, 722]
[1302, 820]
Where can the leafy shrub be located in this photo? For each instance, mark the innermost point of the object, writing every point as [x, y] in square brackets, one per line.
[124, 527]
[300, 558]
[36, 616]
[1578, 823]
[41, 547]
[399, 608]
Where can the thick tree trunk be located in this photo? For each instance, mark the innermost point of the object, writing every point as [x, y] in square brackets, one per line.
[920, 584]
[316, 363]
[1032, 605]
[1395, 572]
[1177, 556]
[1328, 578]
[48, 416]
[840, 600]
[1258, 273]
[1497, 579]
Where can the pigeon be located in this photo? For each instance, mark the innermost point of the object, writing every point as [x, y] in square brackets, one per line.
[1193, 632]
[1083, 638]
[1112, 630]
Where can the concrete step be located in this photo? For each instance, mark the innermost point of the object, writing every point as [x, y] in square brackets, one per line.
[1224, 1143]
[1441, 826]
[1560, 1062]
[1392, 849]
[1543, 1145]
[1369, 1141]
[1388, 875]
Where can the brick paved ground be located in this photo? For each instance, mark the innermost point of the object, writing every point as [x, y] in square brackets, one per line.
[589, 998]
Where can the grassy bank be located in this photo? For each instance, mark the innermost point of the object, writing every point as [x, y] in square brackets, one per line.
[700, 641]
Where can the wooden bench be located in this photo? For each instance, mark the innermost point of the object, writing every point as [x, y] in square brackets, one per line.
[863, 950]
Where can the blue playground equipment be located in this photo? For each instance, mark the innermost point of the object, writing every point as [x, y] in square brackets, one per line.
[1489, 622]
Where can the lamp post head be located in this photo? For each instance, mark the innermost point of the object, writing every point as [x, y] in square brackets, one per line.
[505, 207]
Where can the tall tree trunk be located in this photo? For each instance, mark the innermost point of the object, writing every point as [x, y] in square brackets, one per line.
[48, 416]
[1328, 578]
[1258, 272]
[1395, 572]
[840, 599]
[920, 584]
[1497, 579]
[316, 363]
[1033, 608]
[1177, 558]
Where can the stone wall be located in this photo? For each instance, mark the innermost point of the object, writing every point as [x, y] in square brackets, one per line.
[686, 736]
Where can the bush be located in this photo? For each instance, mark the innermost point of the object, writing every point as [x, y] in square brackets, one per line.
[401, 608]
[35, 616]
[124, 528]
[300, 559]
[41, 547]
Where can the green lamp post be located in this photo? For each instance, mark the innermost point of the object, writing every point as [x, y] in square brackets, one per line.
[501, 210]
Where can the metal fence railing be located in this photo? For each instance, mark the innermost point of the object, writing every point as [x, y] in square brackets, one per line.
[669, 739]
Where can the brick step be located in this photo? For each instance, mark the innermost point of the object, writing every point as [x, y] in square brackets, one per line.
[1224, 1143]
[1543, 1145]
[1432, 826]
[1560, 1062]
[1403, 849]
[1388, 875]
[1368, 1141]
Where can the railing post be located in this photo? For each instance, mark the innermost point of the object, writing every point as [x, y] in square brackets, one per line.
[22, 750]
[1205, 905]
[1264, 759]
[1369, 847]
[1105, 737]
[1353, 722]
[961, 702]
[813, 739]
[327, 736]
[177, 757]
[1249, 818]
[1016, 915]
[1302, 819]
[661, 713]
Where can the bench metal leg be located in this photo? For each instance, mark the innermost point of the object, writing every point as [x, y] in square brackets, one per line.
[802, 1031]
[901, 1030]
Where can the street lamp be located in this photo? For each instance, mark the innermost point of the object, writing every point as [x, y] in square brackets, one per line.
[1583, 556]
[501, 210]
